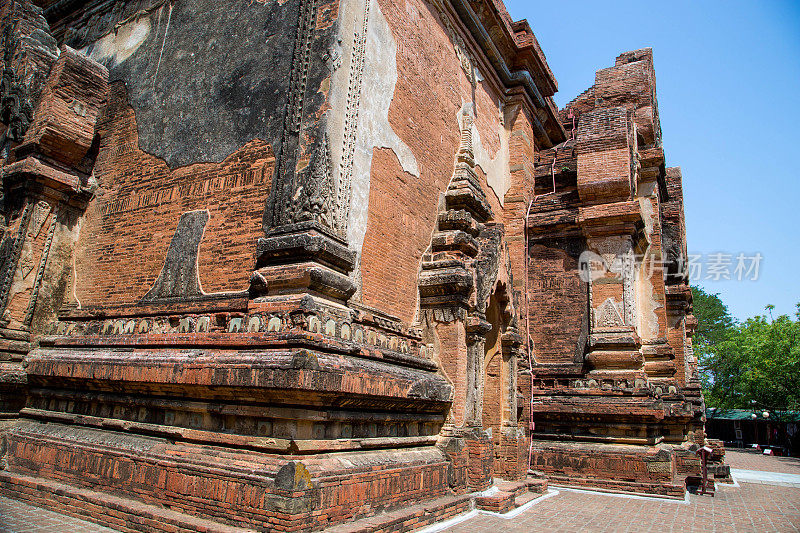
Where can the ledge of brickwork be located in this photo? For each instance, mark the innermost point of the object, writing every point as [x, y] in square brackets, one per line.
[410, 518]
[506, 497]
[669, 491]
[218, 303]
[110, 474]
[122, 514]
[632, 469]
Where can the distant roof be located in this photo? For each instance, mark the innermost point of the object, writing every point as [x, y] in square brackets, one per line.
[746, 414]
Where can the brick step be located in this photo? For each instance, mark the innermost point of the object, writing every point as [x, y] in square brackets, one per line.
[654, 490]
[537, 485]
[499, 502]
[514, 487]
[122, 514]
[533, 484]
[524, 498]
[409, 518]
[512, 494]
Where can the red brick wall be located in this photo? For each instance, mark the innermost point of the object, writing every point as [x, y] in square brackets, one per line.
[604, 176]
[522, 153]
[558, 299]
[403, 208]
[128, 228]
[401, 217]
[453, 358]
[521, 166]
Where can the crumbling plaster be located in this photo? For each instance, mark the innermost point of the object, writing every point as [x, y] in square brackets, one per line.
[377, 91]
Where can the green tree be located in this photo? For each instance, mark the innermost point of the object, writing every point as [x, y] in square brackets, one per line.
[755, 363]
[770, 362]
[714, 327]
[714, 321]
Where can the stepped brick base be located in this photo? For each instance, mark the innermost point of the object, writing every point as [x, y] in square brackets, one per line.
[269, 492]
[121, 514]
[666, 490]
[616, 467]
[129, 515]
[410, 518]
[500, 502]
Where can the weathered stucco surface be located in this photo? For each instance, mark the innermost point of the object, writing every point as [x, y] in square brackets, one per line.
[424, 114]
[199, 100]
[377, 93]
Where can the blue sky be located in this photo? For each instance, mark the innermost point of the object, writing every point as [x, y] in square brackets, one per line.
[728, 76]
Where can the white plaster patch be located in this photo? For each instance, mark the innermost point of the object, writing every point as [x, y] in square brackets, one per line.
[660, 499]
[647, 191]
[646, 305]
[495, 168]
[377, 93]
[120, 44]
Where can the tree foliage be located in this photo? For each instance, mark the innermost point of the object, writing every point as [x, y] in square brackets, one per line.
[753, 363]
[714, 321]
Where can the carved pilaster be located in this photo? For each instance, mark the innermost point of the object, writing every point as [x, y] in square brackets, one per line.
[286, 189]
[305, 249]
[309, 186]
[512, 351]
[477, 328]
[628, 289]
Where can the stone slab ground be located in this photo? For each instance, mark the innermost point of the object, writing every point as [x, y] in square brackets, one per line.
[752, 460]
[18, 517]
[749, 507]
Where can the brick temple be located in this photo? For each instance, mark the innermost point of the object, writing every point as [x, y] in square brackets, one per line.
[296, 264]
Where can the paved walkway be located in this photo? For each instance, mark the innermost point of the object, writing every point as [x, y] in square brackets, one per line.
[752, 460]
[18, 517]
[754, 467]
[757, 504]
[746, 508]
[766, 478]
[767, 499]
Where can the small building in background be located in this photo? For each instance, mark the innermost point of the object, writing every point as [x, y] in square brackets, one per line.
[747, 428]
